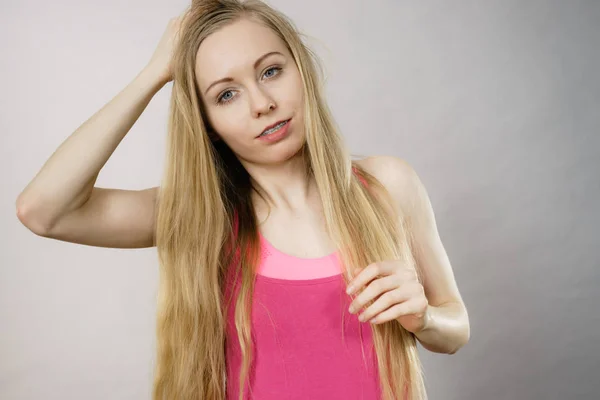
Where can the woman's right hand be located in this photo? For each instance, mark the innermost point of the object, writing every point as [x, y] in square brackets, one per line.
[161, 59]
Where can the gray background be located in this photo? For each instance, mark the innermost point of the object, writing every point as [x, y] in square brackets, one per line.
[495, 104]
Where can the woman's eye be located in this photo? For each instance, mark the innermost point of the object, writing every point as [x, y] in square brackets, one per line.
[271, 72]
[225, 97]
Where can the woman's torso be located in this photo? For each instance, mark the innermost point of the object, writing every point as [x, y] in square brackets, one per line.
[306, 344]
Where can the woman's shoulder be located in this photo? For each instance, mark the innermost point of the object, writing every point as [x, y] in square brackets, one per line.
[389, 170]
[396, 175]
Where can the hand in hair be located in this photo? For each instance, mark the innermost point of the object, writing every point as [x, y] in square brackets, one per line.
[397, 292]
[161, 60]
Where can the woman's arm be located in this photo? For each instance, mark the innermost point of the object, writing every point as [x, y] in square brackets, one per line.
[447, 328]
[66, 180]
[61, 201]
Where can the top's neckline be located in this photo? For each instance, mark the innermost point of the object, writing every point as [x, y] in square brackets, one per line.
[300, 282]
[273, 248]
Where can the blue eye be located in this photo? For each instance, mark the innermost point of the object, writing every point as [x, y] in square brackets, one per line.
[223, 98]
[275, 70]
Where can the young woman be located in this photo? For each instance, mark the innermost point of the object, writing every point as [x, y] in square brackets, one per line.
[262, 222]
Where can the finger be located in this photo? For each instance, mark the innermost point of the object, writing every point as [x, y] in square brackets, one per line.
[368, 274]
[372, 291]
[385, 301]
[396, 311]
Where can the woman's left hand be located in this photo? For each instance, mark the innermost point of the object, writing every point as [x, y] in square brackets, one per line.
[399, 295]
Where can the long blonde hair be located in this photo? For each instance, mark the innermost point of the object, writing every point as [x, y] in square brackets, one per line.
[205, 185]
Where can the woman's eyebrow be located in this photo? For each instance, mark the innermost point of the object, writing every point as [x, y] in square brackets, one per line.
[258, 61]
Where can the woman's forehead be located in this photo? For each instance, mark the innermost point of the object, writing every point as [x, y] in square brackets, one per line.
[234, 48]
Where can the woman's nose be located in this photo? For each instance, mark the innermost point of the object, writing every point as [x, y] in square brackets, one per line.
[260, 102]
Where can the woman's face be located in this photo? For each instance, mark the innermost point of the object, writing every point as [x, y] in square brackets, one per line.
[249, 81]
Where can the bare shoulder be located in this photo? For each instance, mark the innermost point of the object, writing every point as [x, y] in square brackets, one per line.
[397, 176]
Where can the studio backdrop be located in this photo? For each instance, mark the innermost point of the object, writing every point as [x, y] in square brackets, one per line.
[496, 104]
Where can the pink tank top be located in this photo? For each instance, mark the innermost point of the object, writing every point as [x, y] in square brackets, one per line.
[301, 348]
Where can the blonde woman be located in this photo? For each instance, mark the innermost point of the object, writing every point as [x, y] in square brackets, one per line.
[287, 270]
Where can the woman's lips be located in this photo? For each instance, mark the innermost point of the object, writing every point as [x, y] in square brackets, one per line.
[278, 135]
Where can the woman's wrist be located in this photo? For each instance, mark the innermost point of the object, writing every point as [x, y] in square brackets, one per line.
[155, 75]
